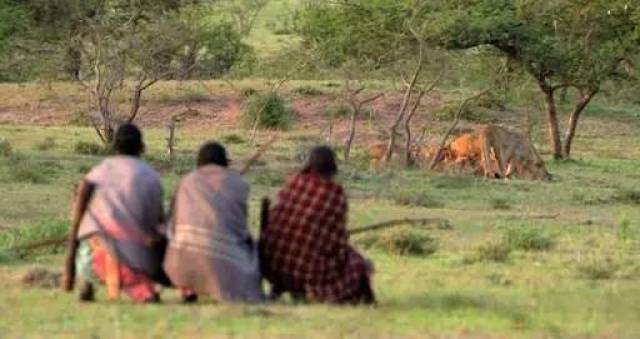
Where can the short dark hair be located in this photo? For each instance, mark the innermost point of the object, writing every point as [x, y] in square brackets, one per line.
[321, 160]
[128, 140]
[212, 153]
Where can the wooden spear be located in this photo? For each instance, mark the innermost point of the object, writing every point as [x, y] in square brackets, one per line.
[442, 224]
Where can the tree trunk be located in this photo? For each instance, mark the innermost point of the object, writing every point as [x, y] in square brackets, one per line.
[352, 134]
[408, 160]
[552, 121]
[585, 99]
[73, 62]
[171, 140]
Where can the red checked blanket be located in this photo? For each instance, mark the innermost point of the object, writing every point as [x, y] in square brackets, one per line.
[306, 245]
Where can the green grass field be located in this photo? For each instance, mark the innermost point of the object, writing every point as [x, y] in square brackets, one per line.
[524, 259]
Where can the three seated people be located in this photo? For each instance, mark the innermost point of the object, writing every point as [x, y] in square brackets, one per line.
[205, 247]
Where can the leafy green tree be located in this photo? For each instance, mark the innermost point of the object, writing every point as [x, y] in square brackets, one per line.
[13, 21]
[577, 44]
[568, 44]
[370, 32]
[115, 46]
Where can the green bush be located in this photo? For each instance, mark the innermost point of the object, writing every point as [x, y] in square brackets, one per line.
[6, 150]
[403, 241]
[271, 110]
[90, 148]
[529, 239]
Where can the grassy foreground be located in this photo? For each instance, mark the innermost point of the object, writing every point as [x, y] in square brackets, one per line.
[524, 259]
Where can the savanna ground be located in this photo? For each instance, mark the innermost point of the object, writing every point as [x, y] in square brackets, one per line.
[540, 259]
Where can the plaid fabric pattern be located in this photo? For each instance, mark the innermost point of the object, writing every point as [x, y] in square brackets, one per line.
[306, 246]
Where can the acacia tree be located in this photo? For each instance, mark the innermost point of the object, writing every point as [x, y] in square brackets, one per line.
[382, 36]
[577, 44]
[121, 46]
[130, 55]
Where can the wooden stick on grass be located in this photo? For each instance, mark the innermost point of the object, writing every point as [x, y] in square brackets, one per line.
[442, 224]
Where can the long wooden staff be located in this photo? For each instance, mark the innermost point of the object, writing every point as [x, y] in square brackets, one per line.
[264, 223]
[85, 194]
[257, 155]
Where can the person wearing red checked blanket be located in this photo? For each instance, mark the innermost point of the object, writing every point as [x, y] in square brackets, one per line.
[305, 245]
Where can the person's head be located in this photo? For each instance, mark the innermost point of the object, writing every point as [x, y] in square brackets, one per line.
[212, 153]
[321, 160]
[128, 140]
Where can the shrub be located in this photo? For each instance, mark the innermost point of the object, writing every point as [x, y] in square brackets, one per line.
[232, 139]
[46, 144]
[6, 150]
[13, 241]
[529, 239]
[90, 148]
[496, 251]
[272, 110]
[415, 199]
[597, 269]
[401, 241]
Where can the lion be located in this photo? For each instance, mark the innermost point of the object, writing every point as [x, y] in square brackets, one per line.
[377, 152]
[506, 153]
[495, 152]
